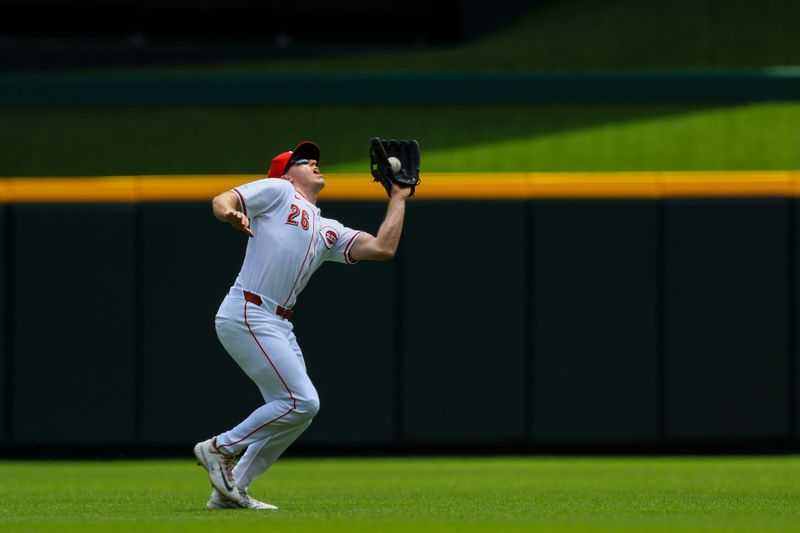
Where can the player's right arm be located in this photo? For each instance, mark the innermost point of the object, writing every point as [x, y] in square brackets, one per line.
[383, 246]
[227, 208]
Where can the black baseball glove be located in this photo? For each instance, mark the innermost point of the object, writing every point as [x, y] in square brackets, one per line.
[406, 152]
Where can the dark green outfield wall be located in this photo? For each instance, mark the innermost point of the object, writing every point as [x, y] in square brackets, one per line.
[594, 320]
[517, 323]
[4, 332]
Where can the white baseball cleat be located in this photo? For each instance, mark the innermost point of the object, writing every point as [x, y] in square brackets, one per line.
[220, 469]
[218, 501]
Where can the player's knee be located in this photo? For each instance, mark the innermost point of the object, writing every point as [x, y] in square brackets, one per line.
[307, 408]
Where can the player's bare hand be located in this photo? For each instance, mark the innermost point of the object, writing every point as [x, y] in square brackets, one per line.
[400, 192]
[239, 220]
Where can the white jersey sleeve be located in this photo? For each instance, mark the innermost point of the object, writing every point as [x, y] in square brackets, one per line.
[259, 197]
[338, 240]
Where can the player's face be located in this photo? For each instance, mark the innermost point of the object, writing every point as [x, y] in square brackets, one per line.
[305, 175]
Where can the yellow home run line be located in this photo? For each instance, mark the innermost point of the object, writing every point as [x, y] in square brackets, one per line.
[435, 186]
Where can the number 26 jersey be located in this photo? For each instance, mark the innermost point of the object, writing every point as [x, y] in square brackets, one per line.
[292, 239]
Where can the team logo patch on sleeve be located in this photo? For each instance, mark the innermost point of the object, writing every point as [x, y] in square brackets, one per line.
[329, 236]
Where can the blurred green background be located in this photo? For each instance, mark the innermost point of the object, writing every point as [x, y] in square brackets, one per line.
[549, 35]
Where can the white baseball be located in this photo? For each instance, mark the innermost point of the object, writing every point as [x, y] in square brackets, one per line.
[395, 164]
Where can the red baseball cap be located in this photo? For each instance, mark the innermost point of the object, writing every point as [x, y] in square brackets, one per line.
[280, 163]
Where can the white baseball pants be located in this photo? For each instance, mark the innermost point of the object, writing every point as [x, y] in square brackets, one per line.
[264, 346]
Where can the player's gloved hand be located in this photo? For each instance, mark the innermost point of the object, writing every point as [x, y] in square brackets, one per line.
[239, 220]
[394, 162]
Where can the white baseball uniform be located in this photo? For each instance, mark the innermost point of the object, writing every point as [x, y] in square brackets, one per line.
[291, 241]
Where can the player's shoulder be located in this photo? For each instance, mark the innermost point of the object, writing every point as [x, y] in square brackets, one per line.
[331, 222]
[267, 185]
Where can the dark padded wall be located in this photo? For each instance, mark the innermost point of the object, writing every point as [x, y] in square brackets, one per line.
[463, 368]
[114, 344]
[342, 323]
[191, 388]
[795, 314]
[73, 355]
[594, 321]
[5, 380]
[726, 295]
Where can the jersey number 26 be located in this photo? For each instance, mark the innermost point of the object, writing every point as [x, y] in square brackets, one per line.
[293, 217]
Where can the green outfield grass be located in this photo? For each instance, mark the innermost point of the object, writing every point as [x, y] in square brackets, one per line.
[153, 140]
[454, 494]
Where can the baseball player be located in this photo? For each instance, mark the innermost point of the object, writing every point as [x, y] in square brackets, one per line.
[289, 240]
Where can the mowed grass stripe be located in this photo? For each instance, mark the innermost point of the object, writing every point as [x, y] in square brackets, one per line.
[433, 494]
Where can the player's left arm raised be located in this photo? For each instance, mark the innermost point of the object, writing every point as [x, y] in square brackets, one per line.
[383, 246]
[227, 208]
